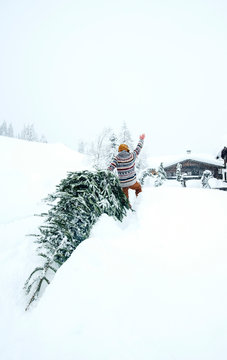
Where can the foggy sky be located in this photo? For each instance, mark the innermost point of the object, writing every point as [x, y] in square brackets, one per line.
[74, 67]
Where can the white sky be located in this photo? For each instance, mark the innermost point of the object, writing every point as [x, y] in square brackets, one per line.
[75, 67]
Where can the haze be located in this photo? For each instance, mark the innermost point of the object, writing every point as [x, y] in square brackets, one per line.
[74, 67]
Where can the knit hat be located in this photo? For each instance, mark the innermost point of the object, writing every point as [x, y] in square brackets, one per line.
[123, 147]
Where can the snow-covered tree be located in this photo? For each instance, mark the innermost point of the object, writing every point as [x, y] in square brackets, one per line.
[145, 173]
[4, 129]
[28, 133]
[76, 205]
[161, 176]
[43, 139]
[178, 172]
[125, 137]
[112, 147]
[81, 147]
[102, 150]
[10, 131]
[207, 174]
[141, 162]
[179, 175]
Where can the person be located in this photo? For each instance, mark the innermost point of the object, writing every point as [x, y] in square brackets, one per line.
[124, 162]
[223, 155]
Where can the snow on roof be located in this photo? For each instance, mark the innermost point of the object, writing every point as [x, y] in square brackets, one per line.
[169, 160]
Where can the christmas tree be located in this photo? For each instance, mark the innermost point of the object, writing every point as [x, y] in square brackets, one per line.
[161, 176]
[207, 174]
[76, 205]
[179, 176]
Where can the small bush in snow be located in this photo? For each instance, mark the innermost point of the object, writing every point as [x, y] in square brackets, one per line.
[147, 172]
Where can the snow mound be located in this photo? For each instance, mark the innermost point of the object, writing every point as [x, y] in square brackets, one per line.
[31, 170]
[150, 287]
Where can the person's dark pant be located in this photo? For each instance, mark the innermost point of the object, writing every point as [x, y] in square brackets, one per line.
[137, 187]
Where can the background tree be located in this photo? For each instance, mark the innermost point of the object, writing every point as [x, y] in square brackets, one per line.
[125, 137]
[179, 175]
[43, 139]
[148, 172]
[141, 162]
[100, 156]
[10, 131]
[111, 148]
[81, 147]
[28, 133]
[161, 176]
[3, 129]
[207, 174]
[178, 172]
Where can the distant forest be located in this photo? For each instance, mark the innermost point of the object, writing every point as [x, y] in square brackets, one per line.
[27, 133]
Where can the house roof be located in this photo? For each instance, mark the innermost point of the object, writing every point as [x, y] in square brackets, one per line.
[174, 159]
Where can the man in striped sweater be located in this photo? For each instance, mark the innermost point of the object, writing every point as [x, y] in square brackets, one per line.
[124, 162]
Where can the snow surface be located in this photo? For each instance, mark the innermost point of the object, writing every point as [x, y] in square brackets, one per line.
[151, 287]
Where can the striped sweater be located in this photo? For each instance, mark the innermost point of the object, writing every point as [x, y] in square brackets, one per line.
[124, 162]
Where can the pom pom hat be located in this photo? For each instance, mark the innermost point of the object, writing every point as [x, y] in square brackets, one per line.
[123, 147]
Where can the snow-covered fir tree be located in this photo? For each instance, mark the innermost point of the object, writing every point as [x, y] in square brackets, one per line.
[28, 133]
[4, 129]
[125, 137]
[141, 163]
[179, 175]
[161, 176]
[10, 131]
[76, 205]
[178, 172]
[112, 147]
[149, 172]
[81, 147]
[207, 174]
[43, 139]
[102, 151]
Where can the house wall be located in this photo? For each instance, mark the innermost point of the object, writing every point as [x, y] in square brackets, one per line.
[194, 168]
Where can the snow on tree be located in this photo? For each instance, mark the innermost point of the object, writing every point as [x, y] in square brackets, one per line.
[103, 150]
[43, 139]
[149, 172]
[161, 176]
[81, 147]
[207, 174]
[178, 172]
[4, 129]
[76, 205]
[179, 175]
[112, 147]
[10, 131]
[28, 133]
[141, 162]
[125, 137]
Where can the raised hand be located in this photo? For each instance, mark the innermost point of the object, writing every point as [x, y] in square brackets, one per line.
[142, 137]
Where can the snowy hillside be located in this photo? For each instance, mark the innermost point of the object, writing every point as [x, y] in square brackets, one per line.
[29, 171]
[152, 287]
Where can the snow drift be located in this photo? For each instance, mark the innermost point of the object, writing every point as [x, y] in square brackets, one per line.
[151, 287]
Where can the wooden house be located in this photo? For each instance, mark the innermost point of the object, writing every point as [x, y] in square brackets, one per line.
[193, 166]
